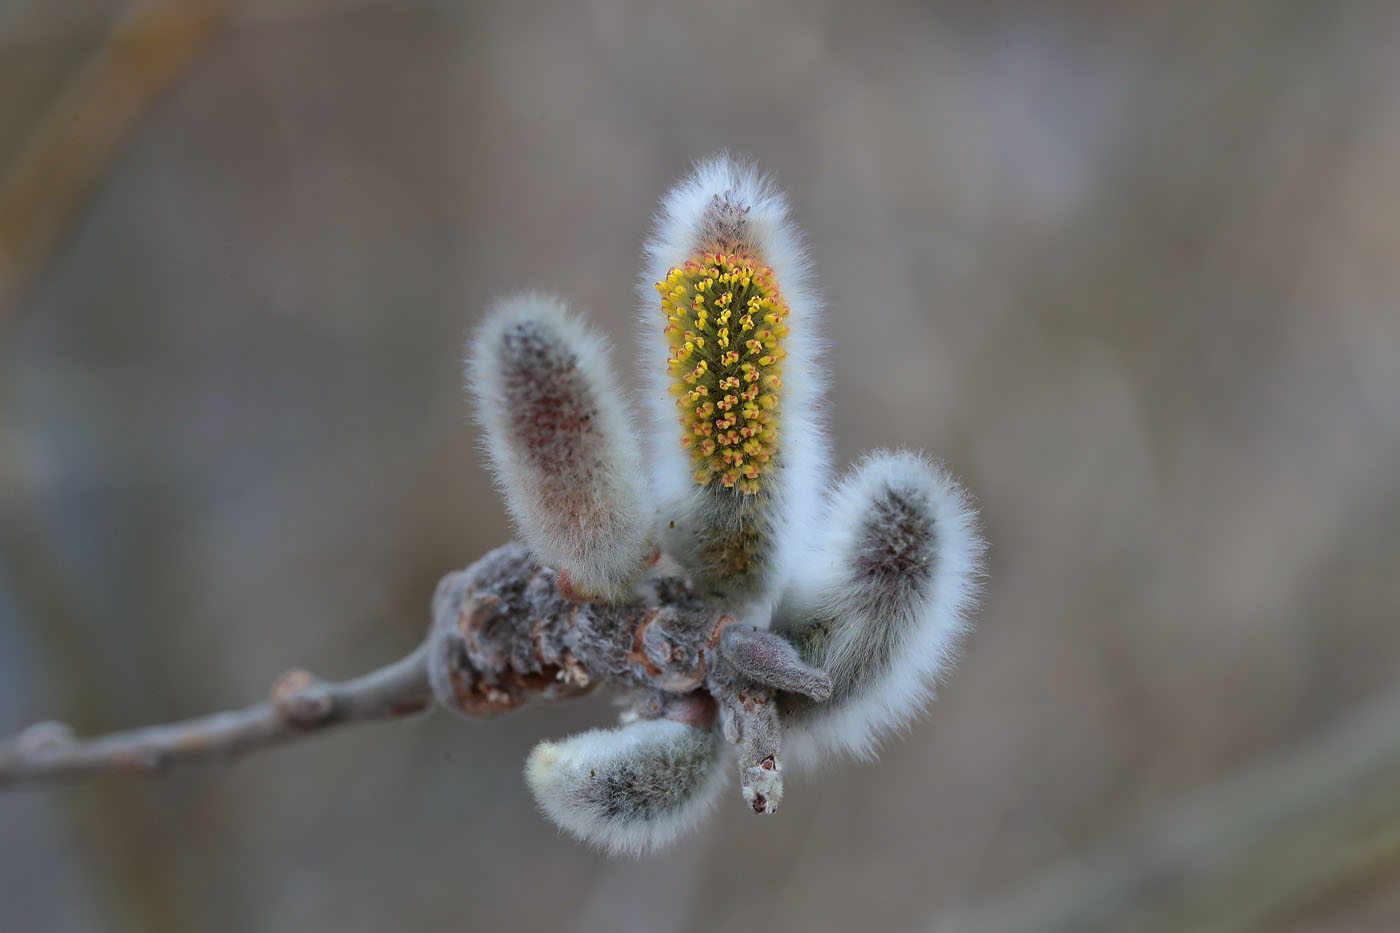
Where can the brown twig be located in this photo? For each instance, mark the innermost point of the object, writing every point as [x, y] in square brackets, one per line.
[502, 634]
[299, 705]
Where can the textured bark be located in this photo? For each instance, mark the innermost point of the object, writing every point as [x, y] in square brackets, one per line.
[299, 705]
[502, 634]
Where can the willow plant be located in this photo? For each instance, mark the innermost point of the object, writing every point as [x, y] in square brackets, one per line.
[748, 609]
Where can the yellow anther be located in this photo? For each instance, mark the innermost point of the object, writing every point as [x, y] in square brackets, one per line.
[731, 435]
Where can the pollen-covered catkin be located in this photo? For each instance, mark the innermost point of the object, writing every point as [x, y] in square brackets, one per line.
[884, 601]
[558, 434]
[628, 790]
[738, 445]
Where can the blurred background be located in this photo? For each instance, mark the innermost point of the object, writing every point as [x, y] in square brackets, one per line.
[1132, 269]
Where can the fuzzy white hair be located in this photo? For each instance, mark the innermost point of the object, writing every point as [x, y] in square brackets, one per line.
[883, 603]
[558, 435]
[632, 789]
[724, 198]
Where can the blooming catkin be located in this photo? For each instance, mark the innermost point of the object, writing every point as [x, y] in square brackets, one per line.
[558, 434]
[631, 789]
[892, 577]
[738, 444]
[802, 622]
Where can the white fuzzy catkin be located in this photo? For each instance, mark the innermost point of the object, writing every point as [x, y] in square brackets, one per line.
[884, 601]
[558, 435]
[632, 789]
[727, 205]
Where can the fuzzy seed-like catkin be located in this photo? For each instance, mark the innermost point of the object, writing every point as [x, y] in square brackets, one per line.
[632, 789]
[738, 444]
[883, 603]
[560, 442]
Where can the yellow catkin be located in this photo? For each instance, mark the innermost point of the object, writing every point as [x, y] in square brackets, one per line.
[725, 324]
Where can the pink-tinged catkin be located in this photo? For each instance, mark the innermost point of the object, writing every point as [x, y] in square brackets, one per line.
[560, 440]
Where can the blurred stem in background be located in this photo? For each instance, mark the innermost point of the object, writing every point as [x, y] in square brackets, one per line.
[1289, 838]
[58, 165]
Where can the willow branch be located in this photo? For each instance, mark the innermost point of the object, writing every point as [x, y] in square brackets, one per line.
[503, 634]
[299, 705]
